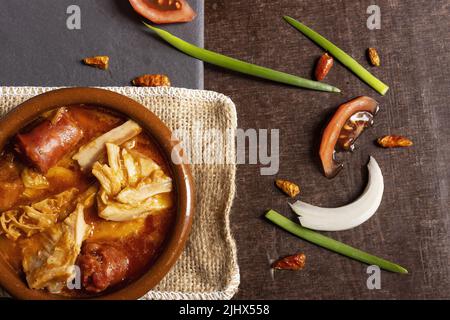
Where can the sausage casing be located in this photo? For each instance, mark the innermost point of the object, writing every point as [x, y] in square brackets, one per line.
[48, 142]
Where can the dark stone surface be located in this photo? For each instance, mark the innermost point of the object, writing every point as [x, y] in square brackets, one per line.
[412, 225]
[38, 49]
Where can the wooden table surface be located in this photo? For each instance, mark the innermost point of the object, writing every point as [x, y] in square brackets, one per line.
[411, 226]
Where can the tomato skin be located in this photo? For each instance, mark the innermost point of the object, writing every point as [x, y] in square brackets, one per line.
[331, 133]
[150, 10]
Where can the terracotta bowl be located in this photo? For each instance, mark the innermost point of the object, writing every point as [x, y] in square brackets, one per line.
[175, 242]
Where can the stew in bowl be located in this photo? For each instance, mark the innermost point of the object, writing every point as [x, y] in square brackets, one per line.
[91, 203]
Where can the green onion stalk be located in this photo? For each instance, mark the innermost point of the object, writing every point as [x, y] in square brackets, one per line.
[340, 55]
[331, 244]
[238, 65]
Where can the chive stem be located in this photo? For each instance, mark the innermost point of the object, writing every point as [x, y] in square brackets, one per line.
[332, 244]
[340, 55]
[240, 66]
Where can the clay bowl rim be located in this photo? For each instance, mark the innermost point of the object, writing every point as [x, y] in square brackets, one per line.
[26, 112]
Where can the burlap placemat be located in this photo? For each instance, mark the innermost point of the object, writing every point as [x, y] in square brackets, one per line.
[208, 267]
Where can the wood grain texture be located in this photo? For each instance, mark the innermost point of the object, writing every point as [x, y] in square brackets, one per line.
[412, 225]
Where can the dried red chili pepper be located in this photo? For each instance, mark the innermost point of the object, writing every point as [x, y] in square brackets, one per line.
[323, 66]
[393, 141]
[152, 80]
[288, 187]
[292, 262]
[101, 62]
[373, 57]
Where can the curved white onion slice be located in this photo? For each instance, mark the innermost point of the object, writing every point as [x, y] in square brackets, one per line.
[349, 216]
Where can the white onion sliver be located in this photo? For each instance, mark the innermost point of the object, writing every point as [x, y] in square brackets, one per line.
[348, 216]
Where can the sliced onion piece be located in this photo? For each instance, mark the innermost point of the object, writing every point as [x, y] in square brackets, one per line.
[349, 216]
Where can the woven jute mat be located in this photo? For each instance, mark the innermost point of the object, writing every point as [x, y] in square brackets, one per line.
[206, 121]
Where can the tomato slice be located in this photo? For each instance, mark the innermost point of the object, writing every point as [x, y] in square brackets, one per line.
[333, 131]
[164, 11]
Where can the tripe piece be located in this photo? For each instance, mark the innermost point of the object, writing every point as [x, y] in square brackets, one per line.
[89, 153]
[28, 220]
[128, 184]
[51, 264]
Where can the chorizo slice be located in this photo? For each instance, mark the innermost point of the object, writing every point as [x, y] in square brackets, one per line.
[48, 142]
[102, 265]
